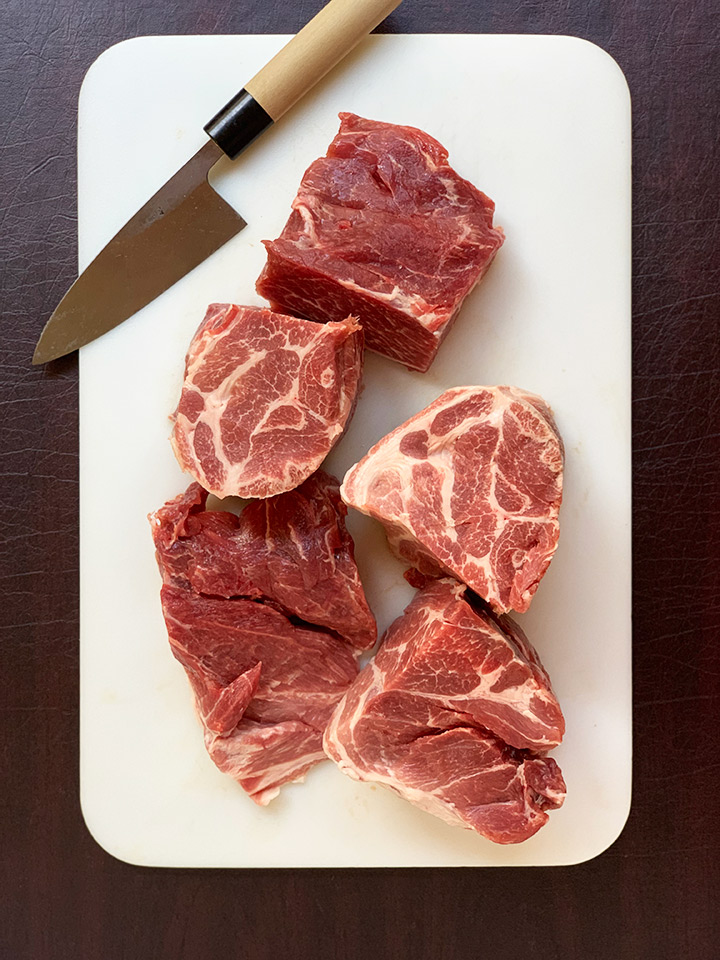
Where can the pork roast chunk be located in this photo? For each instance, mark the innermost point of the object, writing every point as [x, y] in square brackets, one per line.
[265, 611]
[471, 486]
[453, 714]
[265, 398]
[383, 228]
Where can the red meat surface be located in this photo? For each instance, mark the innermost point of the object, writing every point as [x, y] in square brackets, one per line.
[384, 229]
[265, 398]
[292, 550]
[256, 608]
[257, 678]
[453, 713]
[470, 486]
[296, 549]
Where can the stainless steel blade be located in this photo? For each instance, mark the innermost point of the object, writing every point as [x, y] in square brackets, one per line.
[178, 228]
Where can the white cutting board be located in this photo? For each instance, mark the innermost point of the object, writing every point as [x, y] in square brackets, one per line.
[541, 124]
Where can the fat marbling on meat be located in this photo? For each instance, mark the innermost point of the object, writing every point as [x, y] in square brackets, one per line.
[266, 613]
[265, 398]
[383, 228]
[454, 713]
[470, 486]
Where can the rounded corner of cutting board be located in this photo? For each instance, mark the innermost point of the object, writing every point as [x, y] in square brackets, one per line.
[105, 834]
[609, 70]
[601, 844]
[106, 59]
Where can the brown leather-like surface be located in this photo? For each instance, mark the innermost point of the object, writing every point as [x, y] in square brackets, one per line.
[652, 894]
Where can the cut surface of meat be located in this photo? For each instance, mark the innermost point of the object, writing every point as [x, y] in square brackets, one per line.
[292, 550]
[452, 713]
[257, 679]
[471, 486]
[262, 642]
[384, 229]
[196, 547]
[296, 549]
[263, 756]
[265, 398]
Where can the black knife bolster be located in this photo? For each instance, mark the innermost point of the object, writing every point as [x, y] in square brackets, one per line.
[238, 123]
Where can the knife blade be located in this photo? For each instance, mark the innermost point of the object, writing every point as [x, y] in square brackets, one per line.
[186, 221]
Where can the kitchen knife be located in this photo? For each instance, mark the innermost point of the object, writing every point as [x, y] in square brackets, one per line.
[186, 220]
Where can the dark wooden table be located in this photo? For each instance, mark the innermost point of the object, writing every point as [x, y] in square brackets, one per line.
[651, 895]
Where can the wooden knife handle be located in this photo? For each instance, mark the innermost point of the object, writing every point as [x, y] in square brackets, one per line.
[321, 43]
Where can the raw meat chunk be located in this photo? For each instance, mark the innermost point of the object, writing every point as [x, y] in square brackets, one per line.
[296, 549]
[384, 229]
[451, 714]
[265, 398]
[292, 550]
[242, 600]
[470, 486]
[257, 679]
[196, 548]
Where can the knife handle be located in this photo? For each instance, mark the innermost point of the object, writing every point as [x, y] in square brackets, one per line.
[321, 43]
